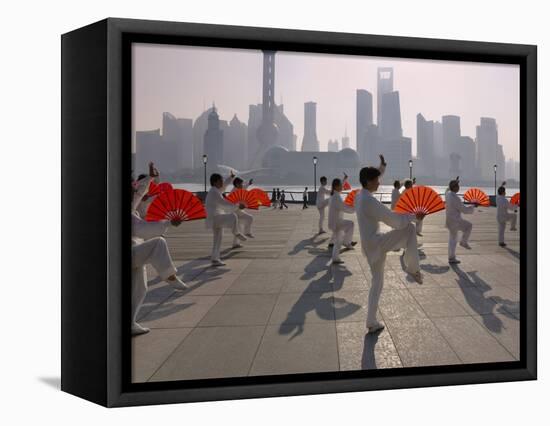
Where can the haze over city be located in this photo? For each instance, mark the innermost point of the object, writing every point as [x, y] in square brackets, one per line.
[186, 80]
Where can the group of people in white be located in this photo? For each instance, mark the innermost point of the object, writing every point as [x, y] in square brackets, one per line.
[149, 247]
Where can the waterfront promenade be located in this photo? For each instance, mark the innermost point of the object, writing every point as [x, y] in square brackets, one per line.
[277, 307]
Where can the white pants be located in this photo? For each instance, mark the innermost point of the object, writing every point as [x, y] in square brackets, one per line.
[419, 224]
[510, 217]
[154, 252]
[245, 221]
[322, 211]
[396, 239]
[227, 220]
[466, 228]
[341, 235]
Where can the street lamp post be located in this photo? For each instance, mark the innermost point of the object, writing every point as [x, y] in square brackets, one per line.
[315, 174]
[495, 169]
[410, 169]
[205, 160]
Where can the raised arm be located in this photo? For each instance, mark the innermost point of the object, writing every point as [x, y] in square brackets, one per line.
[141, 190]
[383, 165]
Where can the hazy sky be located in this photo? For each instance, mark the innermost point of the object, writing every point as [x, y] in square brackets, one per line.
[186, 80]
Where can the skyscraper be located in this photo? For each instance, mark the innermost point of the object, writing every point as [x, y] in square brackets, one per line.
[234, 144]
[179, 132]
[363, 121]
[487, 141]
[267, 131]
[310, 141]
[384, 85]
[213, 139]
[390, 120]
[425, 145]
[345, 140]
[332, 146]
[451, 133]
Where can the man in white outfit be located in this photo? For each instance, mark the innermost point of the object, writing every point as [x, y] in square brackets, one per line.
[408, 184]
[148, 247]
[342, 229]
[454, 207]
[503, 215]
[395, 194]
[323, 197]
[245, 218]
[220, 214]
[375, 244]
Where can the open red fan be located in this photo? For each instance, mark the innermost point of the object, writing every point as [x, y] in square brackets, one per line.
[346, 186]
[350, 198]
[420, 199]
[176, 204]
[515, 199]
[476, 196]
[261, 196]
[245, 197]
[157, 188]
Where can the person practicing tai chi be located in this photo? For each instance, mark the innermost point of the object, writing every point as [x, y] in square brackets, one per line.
[148, 247]
[220, 214]
[274, 198]
[395, 194]
[342, 229]
[503, 215]
[323, 197]
[245, 218]
[454, 207]
[376, 244]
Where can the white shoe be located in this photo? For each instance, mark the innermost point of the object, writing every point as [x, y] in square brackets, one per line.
[375, 327]
[240, 236]
[249, 235]
[419, 234]
[465, 245]
[217, 263]
[138, 329]
[236, 246]
[178, 284]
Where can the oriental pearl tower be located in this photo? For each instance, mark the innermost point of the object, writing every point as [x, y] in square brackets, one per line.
[268, 131]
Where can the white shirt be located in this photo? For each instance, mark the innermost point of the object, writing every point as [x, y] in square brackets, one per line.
[336, 210]
[454, 207]
[323, 195]
[370, 212]
[215, 204]
[503, 205]
[395, 194]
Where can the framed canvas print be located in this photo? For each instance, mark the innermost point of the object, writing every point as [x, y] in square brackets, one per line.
[253, 212]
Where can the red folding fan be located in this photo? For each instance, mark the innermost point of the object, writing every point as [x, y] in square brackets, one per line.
[176, 204]
[346, 186]
[515, 199]
[261, 196]
[245, 197]
[350, 198]
[476, 196]
[419, 199]
[157, 188]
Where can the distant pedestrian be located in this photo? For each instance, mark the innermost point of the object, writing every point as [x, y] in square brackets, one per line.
[274, 198]
[503, 215]
[304, 197]
[282, 200]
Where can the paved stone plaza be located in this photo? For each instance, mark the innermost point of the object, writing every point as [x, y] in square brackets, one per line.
[278, 307]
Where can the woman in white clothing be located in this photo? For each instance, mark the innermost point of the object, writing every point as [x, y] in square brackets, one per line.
[454, 207]
[395, 194]
[342, 229]
[323, 197]
[245, 218]
[503, 215]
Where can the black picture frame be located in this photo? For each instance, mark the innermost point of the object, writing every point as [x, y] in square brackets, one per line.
[96, 135]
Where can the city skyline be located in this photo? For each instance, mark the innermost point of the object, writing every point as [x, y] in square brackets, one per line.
[186, 80]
